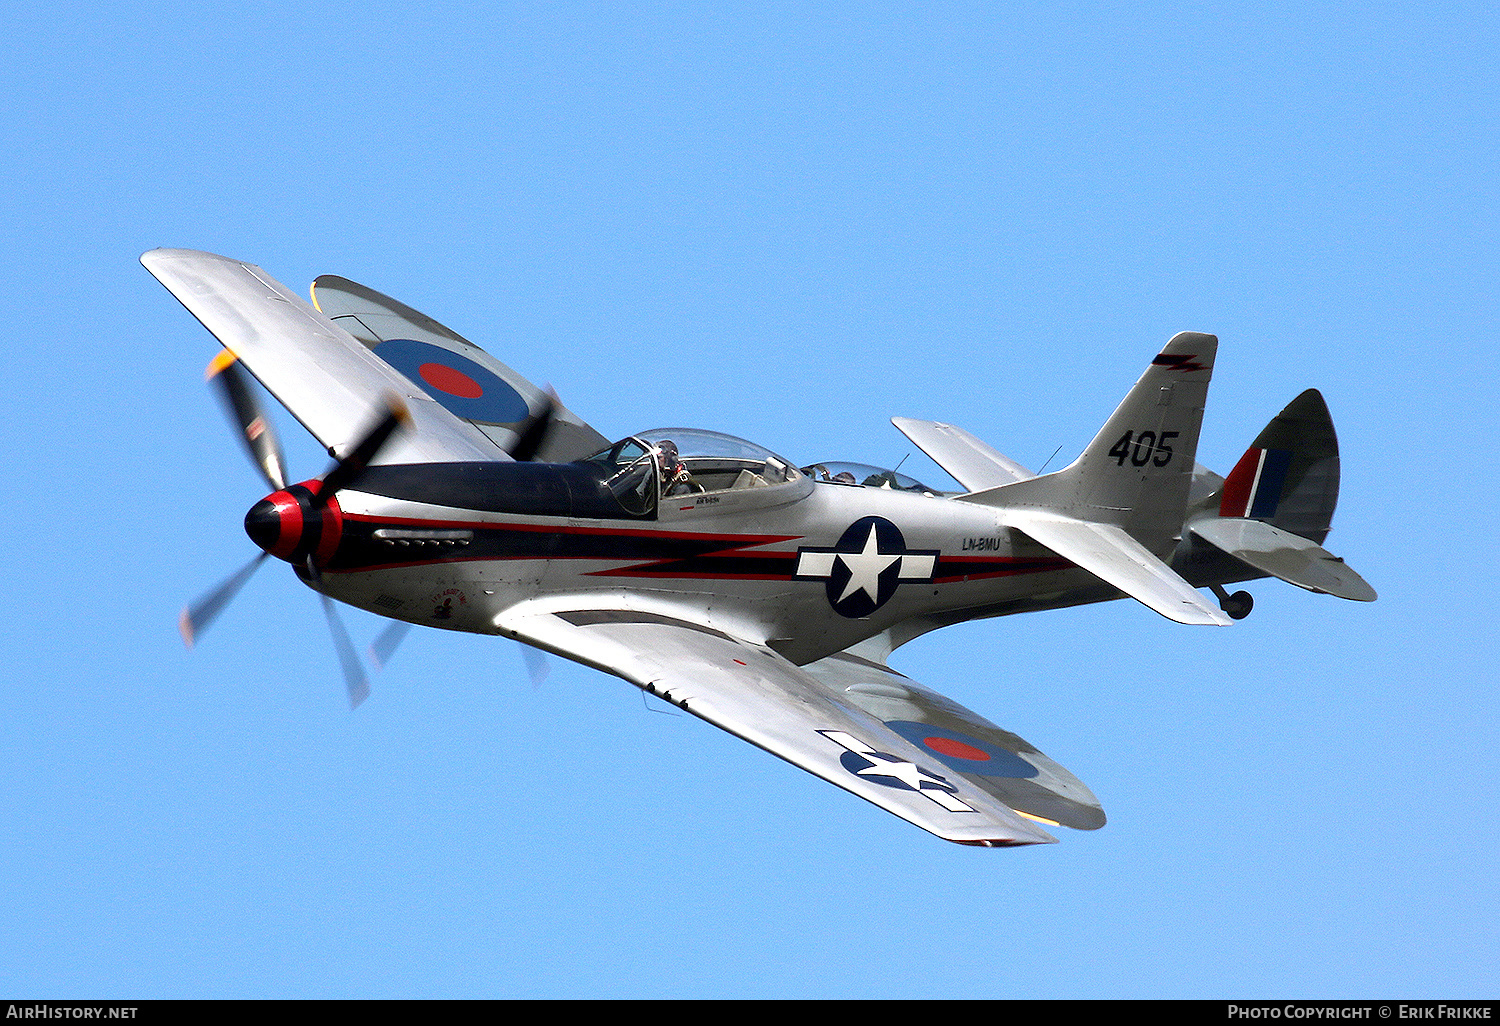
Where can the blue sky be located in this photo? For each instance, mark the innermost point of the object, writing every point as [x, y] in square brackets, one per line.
[787, 222]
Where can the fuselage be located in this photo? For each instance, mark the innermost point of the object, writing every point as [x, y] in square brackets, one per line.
[808, 567]
[730, 535]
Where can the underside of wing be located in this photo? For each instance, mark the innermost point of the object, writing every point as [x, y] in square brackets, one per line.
[467, 381]
[752, 692]
[1007, 767]
[327, 380]
[1283, 554]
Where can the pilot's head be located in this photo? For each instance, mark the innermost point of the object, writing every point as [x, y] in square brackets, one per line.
[666, 452]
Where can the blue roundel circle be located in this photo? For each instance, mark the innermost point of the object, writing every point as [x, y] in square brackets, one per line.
[964, 752]
[460, 386]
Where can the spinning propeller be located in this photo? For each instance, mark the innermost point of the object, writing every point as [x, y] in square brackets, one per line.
[533, 434]
[538, 426]
[298, 523]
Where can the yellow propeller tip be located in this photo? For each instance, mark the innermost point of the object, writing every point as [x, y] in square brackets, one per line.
[218, 364]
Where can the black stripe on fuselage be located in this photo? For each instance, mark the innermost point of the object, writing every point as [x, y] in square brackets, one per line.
[523, 489]
[651, 554]
[360, 549]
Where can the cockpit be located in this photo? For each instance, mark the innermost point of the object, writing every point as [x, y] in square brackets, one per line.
[666, 474]
[645, 470]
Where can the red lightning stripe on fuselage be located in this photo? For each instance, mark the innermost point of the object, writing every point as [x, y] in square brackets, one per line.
[657, 555]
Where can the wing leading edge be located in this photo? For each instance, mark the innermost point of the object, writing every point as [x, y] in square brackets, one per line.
[851, 722]
[316, 369]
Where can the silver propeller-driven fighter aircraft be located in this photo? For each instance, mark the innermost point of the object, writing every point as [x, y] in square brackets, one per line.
[723, 578]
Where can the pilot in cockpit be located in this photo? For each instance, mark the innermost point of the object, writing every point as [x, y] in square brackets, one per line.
[675, 479]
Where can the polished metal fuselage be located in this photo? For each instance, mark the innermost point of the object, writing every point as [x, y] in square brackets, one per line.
[807, 568]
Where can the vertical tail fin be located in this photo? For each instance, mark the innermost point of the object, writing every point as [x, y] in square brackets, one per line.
[1277, 504]
[1118, 509]
[1136, 472]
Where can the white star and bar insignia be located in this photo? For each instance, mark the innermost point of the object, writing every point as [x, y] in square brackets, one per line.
[890, 771]
[863, 569]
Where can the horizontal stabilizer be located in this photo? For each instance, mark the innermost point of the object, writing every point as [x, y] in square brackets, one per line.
[1282, 554]
[967, 460]
[1113, 556]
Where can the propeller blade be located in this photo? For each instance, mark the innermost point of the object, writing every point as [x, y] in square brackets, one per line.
[354, 672]
[243, 406]
[349, 469]
[196, 618]
[384, 647]
[538, 426]
[537, 666]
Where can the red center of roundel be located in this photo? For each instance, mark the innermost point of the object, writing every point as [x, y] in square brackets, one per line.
[957, 749]
[454, 382]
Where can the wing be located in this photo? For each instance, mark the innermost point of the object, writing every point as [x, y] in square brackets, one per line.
[316, 369]
[1007, 767]
[469, 382]
[797, 713]
[1283, 554]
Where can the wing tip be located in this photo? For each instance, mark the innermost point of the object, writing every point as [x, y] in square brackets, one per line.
[1002, 842]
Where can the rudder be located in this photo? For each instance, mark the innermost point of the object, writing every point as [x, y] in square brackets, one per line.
[1289, 477]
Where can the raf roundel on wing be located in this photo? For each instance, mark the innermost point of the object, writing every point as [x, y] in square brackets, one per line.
[460, 385]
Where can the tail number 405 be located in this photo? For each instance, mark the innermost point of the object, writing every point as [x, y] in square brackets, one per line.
[1143, 448]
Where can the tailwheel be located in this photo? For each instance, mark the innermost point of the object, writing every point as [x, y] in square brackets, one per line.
[1236, 606]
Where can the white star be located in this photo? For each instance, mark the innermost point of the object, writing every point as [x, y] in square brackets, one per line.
[866, 567]
[906, 772]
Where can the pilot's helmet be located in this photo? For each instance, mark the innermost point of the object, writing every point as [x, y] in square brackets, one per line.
[668, 450]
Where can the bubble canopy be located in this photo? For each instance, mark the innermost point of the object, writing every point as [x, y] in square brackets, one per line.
[684, 461]
[866, 476]
[696, 443]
